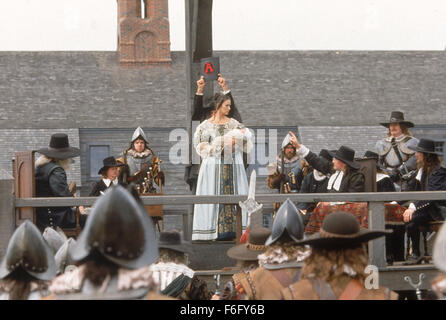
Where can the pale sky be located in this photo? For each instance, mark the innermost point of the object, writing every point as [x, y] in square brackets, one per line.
[54, 25]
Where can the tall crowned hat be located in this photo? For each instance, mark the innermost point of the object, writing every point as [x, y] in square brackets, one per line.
[120, 230]
[59, 148]
[27, 250]
[346, 155]
[397, 117]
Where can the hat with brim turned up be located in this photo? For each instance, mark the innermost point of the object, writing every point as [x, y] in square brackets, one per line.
[346, 155]
[397, 117]
[59, 148]
[341, 230]
[255, 246]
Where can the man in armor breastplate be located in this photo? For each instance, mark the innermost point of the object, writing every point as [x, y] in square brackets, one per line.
[395, 155]
[285, 173]
[141, 164]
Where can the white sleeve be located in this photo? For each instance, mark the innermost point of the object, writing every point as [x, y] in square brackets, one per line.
[303, 151]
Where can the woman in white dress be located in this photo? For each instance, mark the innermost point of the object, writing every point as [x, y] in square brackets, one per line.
[220, 141]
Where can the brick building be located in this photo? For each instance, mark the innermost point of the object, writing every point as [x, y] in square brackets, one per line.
[330, 98]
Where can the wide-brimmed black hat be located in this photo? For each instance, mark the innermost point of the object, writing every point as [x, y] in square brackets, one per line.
[397, 117]
[109, 162]
[255, 246]
[341, 229]
[172, 240]
[425, 146]
[59, 148]
[346, 155]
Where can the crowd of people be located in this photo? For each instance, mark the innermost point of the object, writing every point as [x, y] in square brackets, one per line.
[119, 256]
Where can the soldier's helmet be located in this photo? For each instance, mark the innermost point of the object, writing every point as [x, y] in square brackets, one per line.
[120, 230]
[29, 252]
[287, 225]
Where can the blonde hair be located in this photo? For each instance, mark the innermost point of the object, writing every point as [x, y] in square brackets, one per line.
[329, 264]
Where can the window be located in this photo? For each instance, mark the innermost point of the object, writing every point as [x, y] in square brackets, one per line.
[96, 154]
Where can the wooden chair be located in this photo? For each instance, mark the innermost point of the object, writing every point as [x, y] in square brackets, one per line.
[432, 227]
[156, 212]
[24, 187]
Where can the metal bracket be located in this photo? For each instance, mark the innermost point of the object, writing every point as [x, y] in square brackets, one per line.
[416, 286]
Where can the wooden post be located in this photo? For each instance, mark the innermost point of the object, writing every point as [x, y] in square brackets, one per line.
[238, 225]
[377, 247]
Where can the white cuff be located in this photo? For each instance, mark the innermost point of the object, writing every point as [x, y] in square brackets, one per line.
[412, 206]
[226, 92]
[198, 94]
[302, 151]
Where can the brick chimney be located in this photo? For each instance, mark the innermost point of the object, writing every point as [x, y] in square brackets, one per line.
[143, 32]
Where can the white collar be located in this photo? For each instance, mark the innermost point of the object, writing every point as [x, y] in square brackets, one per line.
[335, 180]
[318, 176]
[108, 181]
[419, 174]
[380, 176]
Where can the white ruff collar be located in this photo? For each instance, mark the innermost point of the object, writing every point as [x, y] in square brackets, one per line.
[143, 154]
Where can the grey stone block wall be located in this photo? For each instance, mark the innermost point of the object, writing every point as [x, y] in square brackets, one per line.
[17, 140]
[359, 138]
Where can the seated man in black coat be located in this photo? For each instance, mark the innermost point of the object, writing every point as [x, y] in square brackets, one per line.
[431, 176]
[343, 172]
[51, 181]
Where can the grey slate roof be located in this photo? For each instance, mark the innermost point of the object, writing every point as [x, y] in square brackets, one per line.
[277, 88]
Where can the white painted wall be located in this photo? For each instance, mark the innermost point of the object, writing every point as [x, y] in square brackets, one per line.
[238, 25]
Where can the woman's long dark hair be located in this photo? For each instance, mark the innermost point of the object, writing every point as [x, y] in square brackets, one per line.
[217, 101]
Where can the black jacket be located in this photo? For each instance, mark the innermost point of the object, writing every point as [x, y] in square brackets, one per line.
[97, 188]
[385, 185]
[352, 182]
[436, 181]
[311, 185]
[51, 181]
[201, 113]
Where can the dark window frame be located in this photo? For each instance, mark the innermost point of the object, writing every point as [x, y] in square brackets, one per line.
[89, 177]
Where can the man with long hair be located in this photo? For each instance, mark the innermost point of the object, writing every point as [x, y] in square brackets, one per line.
[51, 181]
[431, 176]
[335, 269]
[395, 155]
